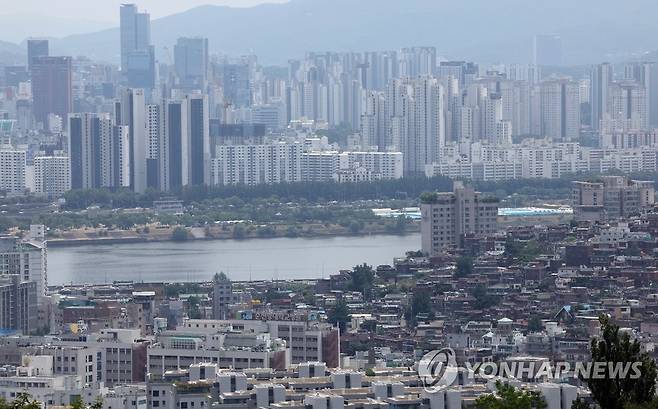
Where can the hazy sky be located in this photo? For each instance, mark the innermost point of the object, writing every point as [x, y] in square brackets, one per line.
[108, 10]
[40, 18]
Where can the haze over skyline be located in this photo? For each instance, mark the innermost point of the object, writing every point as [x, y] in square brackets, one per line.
[19, 20]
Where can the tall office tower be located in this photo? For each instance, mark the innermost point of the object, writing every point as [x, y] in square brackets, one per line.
[646, 74]
[547, 50]
[35, 49]
[191, 62]
[140, 72]
[600, 80]
[373, 122]
[627, 102]
[135, 30]
[52, 175]
[448, 217]
[236, 83]
[51, 87]
[130, 112]
[137, 53]
[174, 146]
[12, 171]
[199, 139]
[560, 110]
[153, 131]
[429, 124]
[90, 145]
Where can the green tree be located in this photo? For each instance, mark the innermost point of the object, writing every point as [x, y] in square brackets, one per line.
[179, 234]
[653, 404]
[421, 304]
[194, 312]
[77, 403]
[482, 299]
[509, 397]
[535, 324]
[580, 404]
[615, 347]
[464, 266]
[362, 278]
[239, 231]
[355, 227]
[339, 314]
[22, 401]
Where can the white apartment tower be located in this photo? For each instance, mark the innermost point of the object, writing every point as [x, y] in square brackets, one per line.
[52, 175]
[560, 110]
[12, 170]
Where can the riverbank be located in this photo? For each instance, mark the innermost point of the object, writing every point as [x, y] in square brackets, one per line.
[156, 233]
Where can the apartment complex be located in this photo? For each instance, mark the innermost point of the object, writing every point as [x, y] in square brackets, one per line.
[447, 217]
[611, 197]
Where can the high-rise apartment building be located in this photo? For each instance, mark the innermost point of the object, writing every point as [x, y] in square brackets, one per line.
[627, 107]
[27, 259]
[174, 145]
[560, 110]
[12, 170]
[256, 164]
[198, 124]
[52, 175]
[51, 87]
[600, 81]
[373, 124]
[130, 111]
[89, 145]
[18, 304]
[98, 151]
[428, 136]
[447, 217]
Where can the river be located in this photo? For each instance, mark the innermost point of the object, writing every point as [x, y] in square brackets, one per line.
[257, 259]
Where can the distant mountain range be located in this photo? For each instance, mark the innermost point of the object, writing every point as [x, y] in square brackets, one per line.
[12, 54]
[481, 30]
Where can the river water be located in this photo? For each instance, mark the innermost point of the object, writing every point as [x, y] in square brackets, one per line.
[257, 259]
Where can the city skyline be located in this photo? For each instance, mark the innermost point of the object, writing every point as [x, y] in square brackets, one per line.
[331, 204]
[513, 40]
